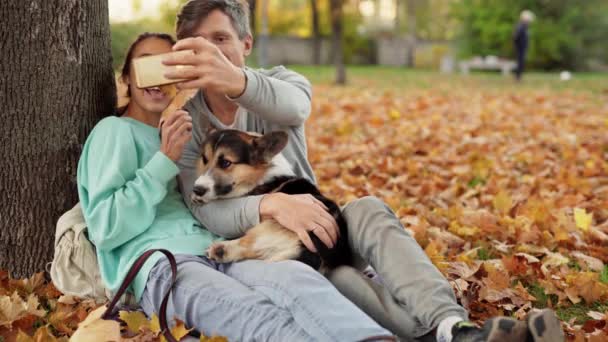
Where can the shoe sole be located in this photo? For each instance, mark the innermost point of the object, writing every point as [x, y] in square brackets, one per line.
[545, 327]
[502, 329]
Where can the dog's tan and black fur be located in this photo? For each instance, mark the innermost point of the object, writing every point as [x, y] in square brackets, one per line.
[235, 164]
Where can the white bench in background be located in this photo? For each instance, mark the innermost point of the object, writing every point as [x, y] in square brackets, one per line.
[488, 63]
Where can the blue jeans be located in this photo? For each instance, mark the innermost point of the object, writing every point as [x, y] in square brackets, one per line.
[257, 301]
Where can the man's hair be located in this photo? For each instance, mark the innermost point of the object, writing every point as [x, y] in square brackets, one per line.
[195, 11]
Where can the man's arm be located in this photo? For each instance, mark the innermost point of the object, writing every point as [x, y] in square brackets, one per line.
[282, 99]
[227, 218]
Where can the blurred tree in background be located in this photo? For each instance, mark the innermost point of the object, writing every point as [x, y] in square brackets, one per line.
[565, 34]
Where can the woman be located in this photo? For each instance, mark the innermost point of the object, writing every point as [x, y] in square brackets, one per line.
[130, 200]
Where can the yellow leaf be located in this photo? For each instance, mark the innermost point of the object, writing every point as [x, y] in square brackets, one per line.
[502, 202]
[465, 231]
[178, 331]
[23, 337]
[93, 328]
[583, 219]
[433, 251]
[213, 339]
[155, 324]
[43, 334]
[135, 320]
[394, 114]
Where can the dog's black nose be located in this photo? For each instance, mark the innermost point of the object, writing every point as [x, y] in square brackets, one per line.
[199, 190]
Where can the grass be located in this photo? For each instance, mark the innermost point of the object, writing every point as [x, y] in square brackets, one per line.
[579, 311]
[403, 78]
[566, 313]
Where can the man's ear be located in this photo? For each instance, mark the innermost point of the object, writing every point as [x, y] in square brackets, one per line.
[269, 145]
[248, 41]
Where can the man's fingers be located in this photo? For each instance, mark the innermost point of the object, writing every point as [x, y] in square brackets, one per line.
[194, 84]
[322, 234]
[197, 44]
[190, 59]
[319, 202]
[330, 226]
[307, 241]
[183, 72]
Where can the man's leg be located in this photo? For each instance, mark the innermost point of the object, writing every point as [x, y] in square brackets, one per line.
[521, 55]
[422, 297]
[315, 304]
[214, 303]
[375, 300]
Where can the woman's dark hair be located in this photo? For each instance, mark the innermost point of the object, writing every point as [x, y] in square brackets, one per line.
[126, 68]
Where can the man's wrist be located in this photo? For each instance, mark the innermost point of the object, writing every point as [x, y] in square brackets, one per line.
[240, 85]
[267, 207]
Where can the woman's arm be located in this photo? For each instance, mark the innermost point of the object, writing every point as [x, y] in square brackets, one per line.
[119, 199]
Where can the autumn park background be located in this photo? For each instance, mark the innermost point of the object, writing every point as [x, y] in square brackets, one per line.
[503, 183]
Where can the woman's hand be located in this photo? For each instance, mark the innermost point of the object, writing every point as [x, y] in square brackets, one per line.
[175, 132]
[301, 214]
[207, 68]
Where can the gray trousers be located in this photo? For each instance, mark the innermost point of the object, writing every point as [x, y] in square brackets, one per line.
[415, 296]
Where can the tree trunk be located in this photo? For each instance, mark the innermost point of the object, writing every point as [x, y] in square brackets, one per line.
[411, 33]
[57, 82]
[316, 33]
[263, 37]
[252, 11]
[337, 40]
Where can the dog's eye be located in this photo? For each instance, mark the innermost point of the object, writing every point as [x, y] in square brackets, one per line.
[224, 164]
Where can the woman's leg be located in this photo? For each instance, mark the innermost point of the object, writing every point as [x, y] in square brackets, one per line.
[419, 290]
[214, 303]
[315, 304]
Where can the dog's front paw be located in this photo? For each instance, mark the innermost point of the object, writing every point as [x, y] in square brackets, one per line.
[217, 252]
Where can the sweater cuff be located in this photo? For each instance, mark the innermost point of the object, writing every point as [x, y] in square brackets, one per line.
[251, 89]
[161, 168]
[252, 211]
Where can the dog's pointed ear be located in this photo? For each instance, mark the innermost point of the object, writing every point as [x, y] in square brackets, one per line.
[269, 145]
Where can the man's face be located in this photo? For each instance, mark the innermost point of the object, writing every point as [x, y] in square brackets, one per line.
[217, 28]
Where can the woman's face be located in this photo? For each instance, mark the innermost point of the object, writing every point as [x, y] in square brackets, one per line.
[148, 99]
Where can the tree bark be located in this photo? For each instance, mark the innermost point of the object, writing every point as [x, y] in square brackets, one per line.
[263, 37]
[411, 33]
[337, 39]
[253, 18]
[316, 33]
[57, 82]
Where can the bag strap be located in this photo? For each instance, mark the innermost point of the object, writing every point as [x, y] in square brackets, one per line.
[162, 315]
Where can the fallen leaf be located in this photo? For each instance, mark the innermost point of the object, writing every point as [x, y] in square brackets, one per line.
[93, 328]
[583, 219]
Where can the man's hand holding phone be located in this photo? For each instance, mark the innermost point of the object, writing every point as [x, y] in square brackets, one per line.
[206, 68]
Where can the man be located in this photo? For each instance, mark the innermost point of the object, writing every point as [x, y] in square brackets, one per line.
[415, 299]
[520, 40]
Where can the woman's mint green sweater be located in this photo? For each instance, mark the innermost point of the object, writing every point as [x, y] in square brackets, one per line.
[131, 202]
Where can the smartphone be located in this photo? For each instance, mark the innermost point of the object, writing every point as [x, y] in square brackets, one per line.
[149, 70]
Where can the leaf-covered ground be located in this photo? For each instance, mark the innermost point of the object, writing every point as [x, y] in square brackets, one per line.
[504, 186]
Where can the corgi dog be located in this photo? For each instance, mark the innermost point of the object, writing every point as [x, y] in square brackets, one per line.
[236, 164]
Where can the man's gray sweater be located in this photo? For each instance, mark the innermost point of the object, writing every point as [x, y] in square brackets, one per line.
[274, 100]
